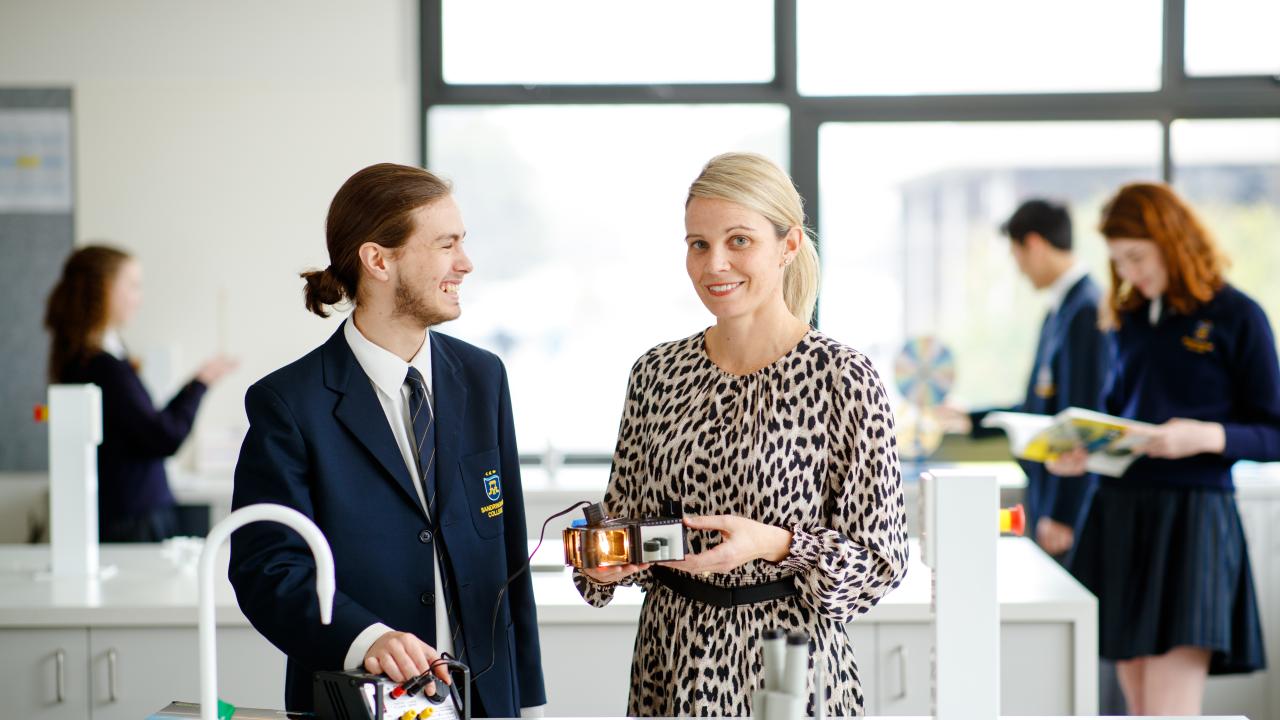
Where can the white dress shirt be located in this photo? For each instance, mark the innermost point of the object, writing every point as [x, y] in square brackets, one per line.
[386, 372]
[1057, 291]
[113, 345]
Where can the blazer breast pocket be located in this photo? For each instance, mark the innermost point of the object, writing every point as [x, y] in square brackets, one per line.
[482, 484]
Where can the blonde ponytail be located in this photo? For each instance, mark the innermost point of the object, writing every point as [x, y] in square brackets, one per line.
[801, 279]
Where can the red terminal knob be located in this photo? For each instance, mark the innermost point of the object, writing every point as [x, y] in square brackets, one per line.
[1013, 520]
[40, 413]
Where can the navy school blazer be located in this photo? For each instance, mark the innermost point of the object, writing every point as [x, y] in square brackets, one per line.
[136, 436]
[319, 442]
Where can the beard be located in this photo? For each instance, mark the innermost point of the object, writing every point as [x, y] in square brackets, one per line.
[413, 303]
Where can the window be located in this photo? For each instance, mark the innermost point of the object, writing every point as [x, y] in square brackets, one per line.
[1229, 170]
[575, 220]
[572, 129]
[1232, 37]
[911, 242]
[591, 42]
[978, 46]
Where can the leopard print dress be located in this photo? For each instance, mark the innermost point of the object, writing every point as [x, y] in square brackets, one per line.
[807, 444]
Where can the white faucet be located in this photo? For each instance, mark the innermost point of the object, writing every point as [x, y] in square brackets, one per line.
[218, 535]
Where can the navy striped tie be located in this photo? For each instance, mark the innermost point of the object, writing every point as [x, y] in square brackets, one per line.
[424, 437]
[422, 418]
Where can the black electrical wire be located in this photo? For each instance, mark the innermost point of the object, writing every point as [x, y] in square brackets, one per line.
[497, 604]
[451, 662]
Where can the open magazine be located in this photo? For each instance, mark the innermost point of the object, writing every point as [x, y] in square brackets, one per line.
[1110, 440]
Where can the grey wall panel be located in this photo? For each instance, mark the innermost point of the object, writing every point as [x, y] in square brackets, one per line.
[33, 247]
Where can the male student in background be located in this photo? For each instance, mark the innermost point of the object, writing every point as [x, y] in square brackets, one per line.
[398, 442]
[1071, 362]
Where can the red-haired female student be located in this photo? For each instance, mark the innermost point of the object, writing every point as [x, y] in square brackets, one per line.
[1162, 547]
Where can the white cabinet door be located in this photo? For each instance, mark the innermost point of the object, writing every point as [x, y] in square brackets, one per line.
[250, 669]
[137, 671]
[44, 674]
[1265, 554]
[1252, 695]
[1037, 675]
[1036, 669]
[904, 672]
[587, 668]
[1244, 695]
[863, 637]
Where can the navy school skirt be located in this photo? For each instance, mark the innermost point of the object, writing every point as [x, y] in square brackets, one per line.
[1170, 567]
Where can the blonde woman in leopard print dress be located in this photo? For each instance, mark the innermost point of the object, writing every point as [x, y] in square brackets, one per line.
[778, 442]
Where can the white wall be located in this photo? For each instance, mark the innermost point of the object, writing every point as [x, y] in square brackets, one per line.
[210, 137]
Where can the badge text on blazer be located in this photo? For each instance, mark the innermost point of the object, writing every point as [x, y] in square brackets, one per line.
[493, 491]
[1199, 343]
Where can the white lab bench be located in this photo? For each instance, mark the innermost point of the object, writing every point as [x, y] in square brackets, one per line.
[158, 609]
[128, 644]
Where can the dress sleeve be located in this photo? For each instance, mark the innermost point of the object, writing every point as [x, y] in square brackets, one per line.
[844, 568]
[622, 498]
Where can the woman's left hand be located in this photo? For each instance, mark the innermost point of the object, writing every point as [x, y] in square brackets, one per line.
[1180, 438]
[742, 541]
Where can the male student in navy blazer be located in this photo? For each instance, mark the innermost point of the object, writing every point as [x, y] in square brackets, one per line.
[423, 539]
[1071, 363]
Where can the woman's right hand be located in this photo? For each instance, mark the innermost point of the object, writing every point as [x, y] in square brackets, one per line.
[617, 573]
[215, 368]
[1068, 464]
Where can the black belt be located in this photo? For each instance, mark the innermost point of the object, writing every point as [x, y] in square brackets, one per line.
[705, 592]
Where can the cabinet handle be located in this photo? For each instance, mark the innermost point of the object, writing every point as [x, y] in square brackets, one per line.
[111, 675]
[60, 676]
[901, 652]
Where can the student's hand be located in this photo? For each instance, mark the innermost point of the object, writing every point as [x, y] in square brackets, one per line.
[401, 656]
[743, 541]
[617, 573]
[215, 368]
[1068, 464]
[954, 420]
[1055, 537]
[1180, 438]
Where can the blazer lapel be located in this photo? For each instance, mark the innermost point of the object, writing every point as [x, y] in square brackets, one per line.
[361, 414]
[450, 389]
